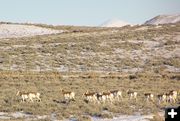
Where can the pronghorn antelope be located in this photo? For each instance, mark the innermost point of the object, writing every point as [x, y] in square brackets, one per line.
[132, 95]
[149, 96]
[116, 94]
[162, 98]
[23, 95]
[104, 96]
[107, 96]
[172, 96]
[29, 95]
[34, 95]
[90, 96]
[68, 95]
[168, 97]
[100, 97]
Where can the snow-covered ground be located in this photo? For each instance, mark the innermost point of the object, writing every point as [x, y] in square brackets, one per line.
[136, 117]
[17, 115]
[17, 30]
[115, 23]
[164, 19]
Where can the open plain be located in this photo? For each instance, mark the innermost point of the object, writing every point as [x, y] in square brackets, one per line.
[144, 58]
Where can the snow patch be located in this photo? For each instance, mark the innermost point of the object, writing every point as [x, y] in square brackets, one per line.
[17, 30]
[115, 23]
[164, 19]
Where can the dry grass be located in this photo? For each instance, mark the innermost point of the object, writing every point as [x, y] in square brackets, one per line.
[49, 85]
[94, 59]
[93, 49]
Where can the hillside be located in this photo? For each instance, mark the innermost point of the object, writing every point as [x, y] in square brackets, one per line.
[115, 23]
[19, 30]
[164, 19]
[144, 59]
[128, 49]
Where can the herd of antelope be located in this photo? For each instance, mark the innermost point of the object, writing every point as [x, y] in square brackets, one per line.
[103, 97]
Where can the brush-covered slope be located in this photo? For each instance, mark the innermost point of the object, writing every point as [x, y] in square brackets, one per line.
[126, 49]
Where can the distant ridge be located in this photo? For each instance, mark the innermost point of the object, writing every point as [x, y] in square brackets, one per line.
[163, 19]
[115, 23]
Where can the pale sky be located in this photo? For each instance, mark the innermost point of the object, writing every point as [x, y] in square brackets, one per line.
[84, 12]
